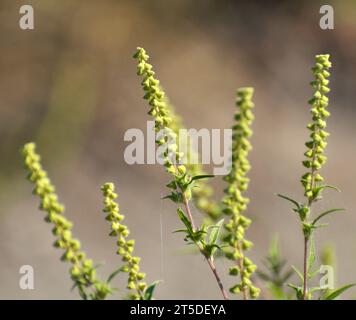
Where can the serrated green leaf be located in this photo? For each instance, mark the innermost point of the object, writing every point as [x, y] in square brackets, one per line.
[334, 294]
[326, 213]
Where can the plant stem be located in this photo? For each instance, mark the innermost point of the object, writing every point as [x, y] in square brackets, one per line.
[189, 213]
[306, 238]
[218, 280]
[209, 259]
[305, 273]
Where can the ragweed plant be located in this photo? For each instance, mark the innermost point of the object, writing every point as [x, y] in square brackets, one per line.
[275, 277]
[181, 183]
[235, 202]
[188, 186]
[312, 181]
[202, 193]
[83, 272]
[139, 289]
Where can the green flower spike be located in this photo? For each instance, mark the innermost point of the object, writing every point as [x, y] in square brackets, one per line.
[166, 119]
[202, 193]
[125, 246]
[315, 157]
[235, 202]
[83, 272]
[312, 181]
[182, 183]
[160, 112]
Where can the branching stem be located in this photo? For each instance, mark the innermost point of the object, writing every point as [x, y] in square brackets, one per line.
[208, 259]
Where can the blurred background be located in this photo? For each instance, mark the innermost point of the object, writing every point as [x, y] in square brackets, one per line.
[70, 85]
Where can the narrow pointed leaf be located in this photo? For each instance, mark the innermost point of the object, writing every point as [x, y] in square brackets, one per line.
[150, 289]
[317, 226]
[339, 291]
[185, 220]
[199, 177]
[214, 233]
[300, 275]
[326, 213]
[328, 186]
[113, 275]
[296, 203]
[311, 257]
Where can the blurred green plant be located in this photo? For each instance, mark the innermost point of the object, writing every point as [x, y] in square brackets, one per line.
[235, 202]
[275, 278]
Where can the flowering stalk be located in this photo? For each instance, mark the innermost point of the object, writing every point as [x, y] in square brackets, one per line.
[202, 193]
[125, 246]
[235, 202]
[182, 182]
[315, 157]
[312, 181]
[82, 272]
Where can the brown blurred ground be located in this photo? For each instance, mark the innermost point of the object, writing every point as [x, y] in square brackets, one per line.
[70, 85]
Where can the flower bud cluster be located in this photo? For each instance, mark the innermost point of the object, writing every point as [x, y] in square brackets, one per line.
[125, 246]
[315, 157]
[83, 272]
[235, 202]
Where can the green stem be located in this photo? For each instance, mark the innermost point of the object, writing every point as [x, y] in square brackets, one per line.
[305, 274]
[208, 259]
